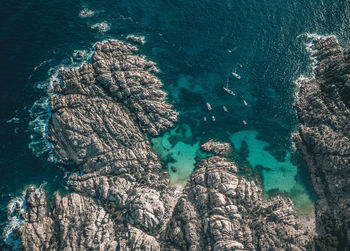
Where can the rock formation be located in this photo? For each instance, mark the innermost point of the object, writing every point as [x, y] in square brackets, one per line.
[323, 109]
[216, 147]
[121, 198]
[221, 211]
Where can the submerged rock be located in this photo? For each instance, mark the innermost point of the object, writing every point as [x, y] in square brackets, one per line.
[85, 13]
[324, 138]
[137, 39]
[122, 200]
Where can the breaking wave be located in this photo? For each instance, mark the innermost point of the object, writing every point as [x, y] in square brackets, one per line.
[15, 209]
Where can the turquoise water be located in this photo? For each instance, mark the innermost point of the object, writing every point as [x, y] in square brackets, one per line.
[177, 149]
[196, 44]
[277, 175]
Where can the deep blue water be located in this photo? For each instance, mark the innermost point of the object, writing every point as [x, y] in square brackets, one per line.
[195, 43]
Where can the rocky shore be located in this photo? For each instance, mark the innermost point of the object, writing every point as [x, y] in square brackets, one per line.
[323, 108]
[121, 199]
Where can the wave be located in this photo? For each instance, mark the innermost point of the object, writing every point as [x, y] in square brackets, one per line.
[86, 13]
[15, 211]
[303, 79]
[40, 112]
[101, 27]
[309, 46]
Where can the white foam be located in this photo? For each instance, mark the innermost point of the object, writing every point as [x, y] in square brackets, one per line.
[16, 208]
[14, 220]
[309, 46]
[40, 111]
[38, 126]
[42, 64]
[137, 39]
[302, 79]
[86, 13]
[46, 84]
[80, 56]
[13, 120]
[313, 37]
[101, 27]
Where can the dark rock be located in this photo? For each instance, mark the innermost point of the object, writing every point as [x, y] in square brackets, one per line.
[324, 136]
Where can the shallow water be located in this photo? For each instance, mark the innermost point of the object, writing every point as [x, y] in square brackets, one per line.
[197, 44]
[277, 175]
[178, 152]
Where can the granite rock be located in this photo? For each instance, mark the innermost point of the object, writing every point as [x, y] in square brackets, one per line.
[121, 199]
[221, 211]
[216, 147]
[323, 108]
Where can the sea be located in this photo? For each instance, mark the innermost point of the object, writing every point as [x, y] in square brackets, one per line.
[197, 44]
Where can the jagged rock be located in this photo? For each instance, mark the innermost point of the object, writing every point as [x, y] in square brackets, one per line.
[121, 200]
[76, 222]
[220, 211]
[324, 135]
[216, 147]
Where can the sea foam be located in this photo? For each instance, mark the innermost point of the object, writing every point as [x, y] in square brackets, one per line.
[16, 208]
[85, 13]
[101, 27]
[40, 112]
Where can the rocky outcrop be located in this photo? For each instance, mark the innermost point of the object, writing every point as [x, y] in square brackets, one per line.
[75, 223]
[100, 113]
[220, 211]
[121, 198]
[215, 147]
[323, 109]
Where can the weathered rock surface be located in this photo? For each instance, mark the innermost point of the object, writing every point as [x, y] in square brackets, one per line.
[324, 136]
[121, 200]
[75, 223]
[100, 112]
[220, 211]
[215, 147]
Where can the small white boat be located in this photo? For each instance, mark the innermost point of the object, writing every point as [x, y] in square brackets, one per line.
[226, 89]
[208, 106]
[213, 118]
[229, 91]
[225, 109]
[204, 118]
[245, 102]
[236, 75]
[244, 122]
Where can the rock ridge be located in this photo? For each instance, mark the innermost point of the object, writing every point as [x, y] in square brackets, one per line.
[323, 108]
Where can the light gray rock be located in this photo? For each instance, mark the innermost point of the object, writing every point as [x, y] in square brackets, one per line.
[216, 147]
[75, 223]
